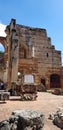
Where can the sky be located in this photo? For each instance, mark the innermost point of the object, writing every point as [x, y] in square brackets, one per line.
[47, 14]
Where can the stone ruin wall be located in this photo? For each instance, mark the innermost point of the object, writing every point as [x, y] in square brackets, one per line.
[48, 59]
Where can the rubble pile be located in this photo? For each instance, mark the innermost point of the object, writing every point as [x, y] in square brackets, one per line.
[57, 118]
[28, 97]
[58, 91]
[28, 92]
[24, 120]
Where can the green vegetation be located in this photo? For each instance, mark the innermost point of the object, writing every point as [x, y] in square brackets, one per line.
[1, 52]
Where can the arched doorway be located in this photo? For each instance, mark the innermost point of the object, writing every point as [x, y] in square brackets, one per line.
[55, 81]
[43, 81]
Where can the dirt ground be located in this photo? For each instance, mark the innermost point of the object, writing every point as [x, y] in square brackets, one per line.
[47, 103]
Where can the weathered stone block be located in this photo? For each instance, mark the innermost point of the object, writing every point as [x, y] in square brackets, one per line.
[24, 120]
[57, 118]
[28, 97]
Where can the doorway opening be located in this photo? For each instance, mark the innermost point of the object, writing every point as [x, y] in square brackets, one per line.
[55, 81]
[43, 81]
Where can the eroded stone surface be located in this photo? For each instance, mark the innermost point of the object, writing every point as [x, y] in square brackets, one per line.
[57, 118]
[24, 120]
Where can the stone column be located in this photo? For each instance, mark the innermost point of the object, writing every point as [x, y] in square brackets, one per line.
[12, 53]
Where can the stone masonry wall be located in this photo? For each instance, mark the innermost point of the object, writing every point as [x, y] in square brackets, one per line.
[35, 54]
[49, 59]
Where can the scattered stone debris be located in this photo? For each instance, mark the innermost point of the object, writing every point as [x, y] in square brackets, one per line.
[41, 88]
[28, 92]
[28, 97]
[58, 91]
[57, 118]
[24, 120]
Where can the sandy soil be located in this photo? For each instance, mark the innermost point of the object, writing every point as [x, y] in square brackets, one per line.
[47, 103]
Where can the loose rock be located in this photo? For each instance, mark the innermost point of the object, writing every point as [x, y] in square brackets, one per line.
[24, 120]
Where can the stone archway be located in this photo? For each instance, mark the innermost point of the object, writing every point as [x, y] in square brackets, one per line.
[2, 49]
[3, 59]
[55, 81]
[4, 44]
[2, 52]
[2, 41]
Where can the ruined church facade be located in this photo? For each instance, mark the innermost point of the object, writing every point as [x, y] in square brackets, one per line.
[29, 51]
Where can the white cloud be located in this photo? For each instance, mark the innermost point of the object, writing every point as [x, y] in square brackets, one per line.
[2, 30]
